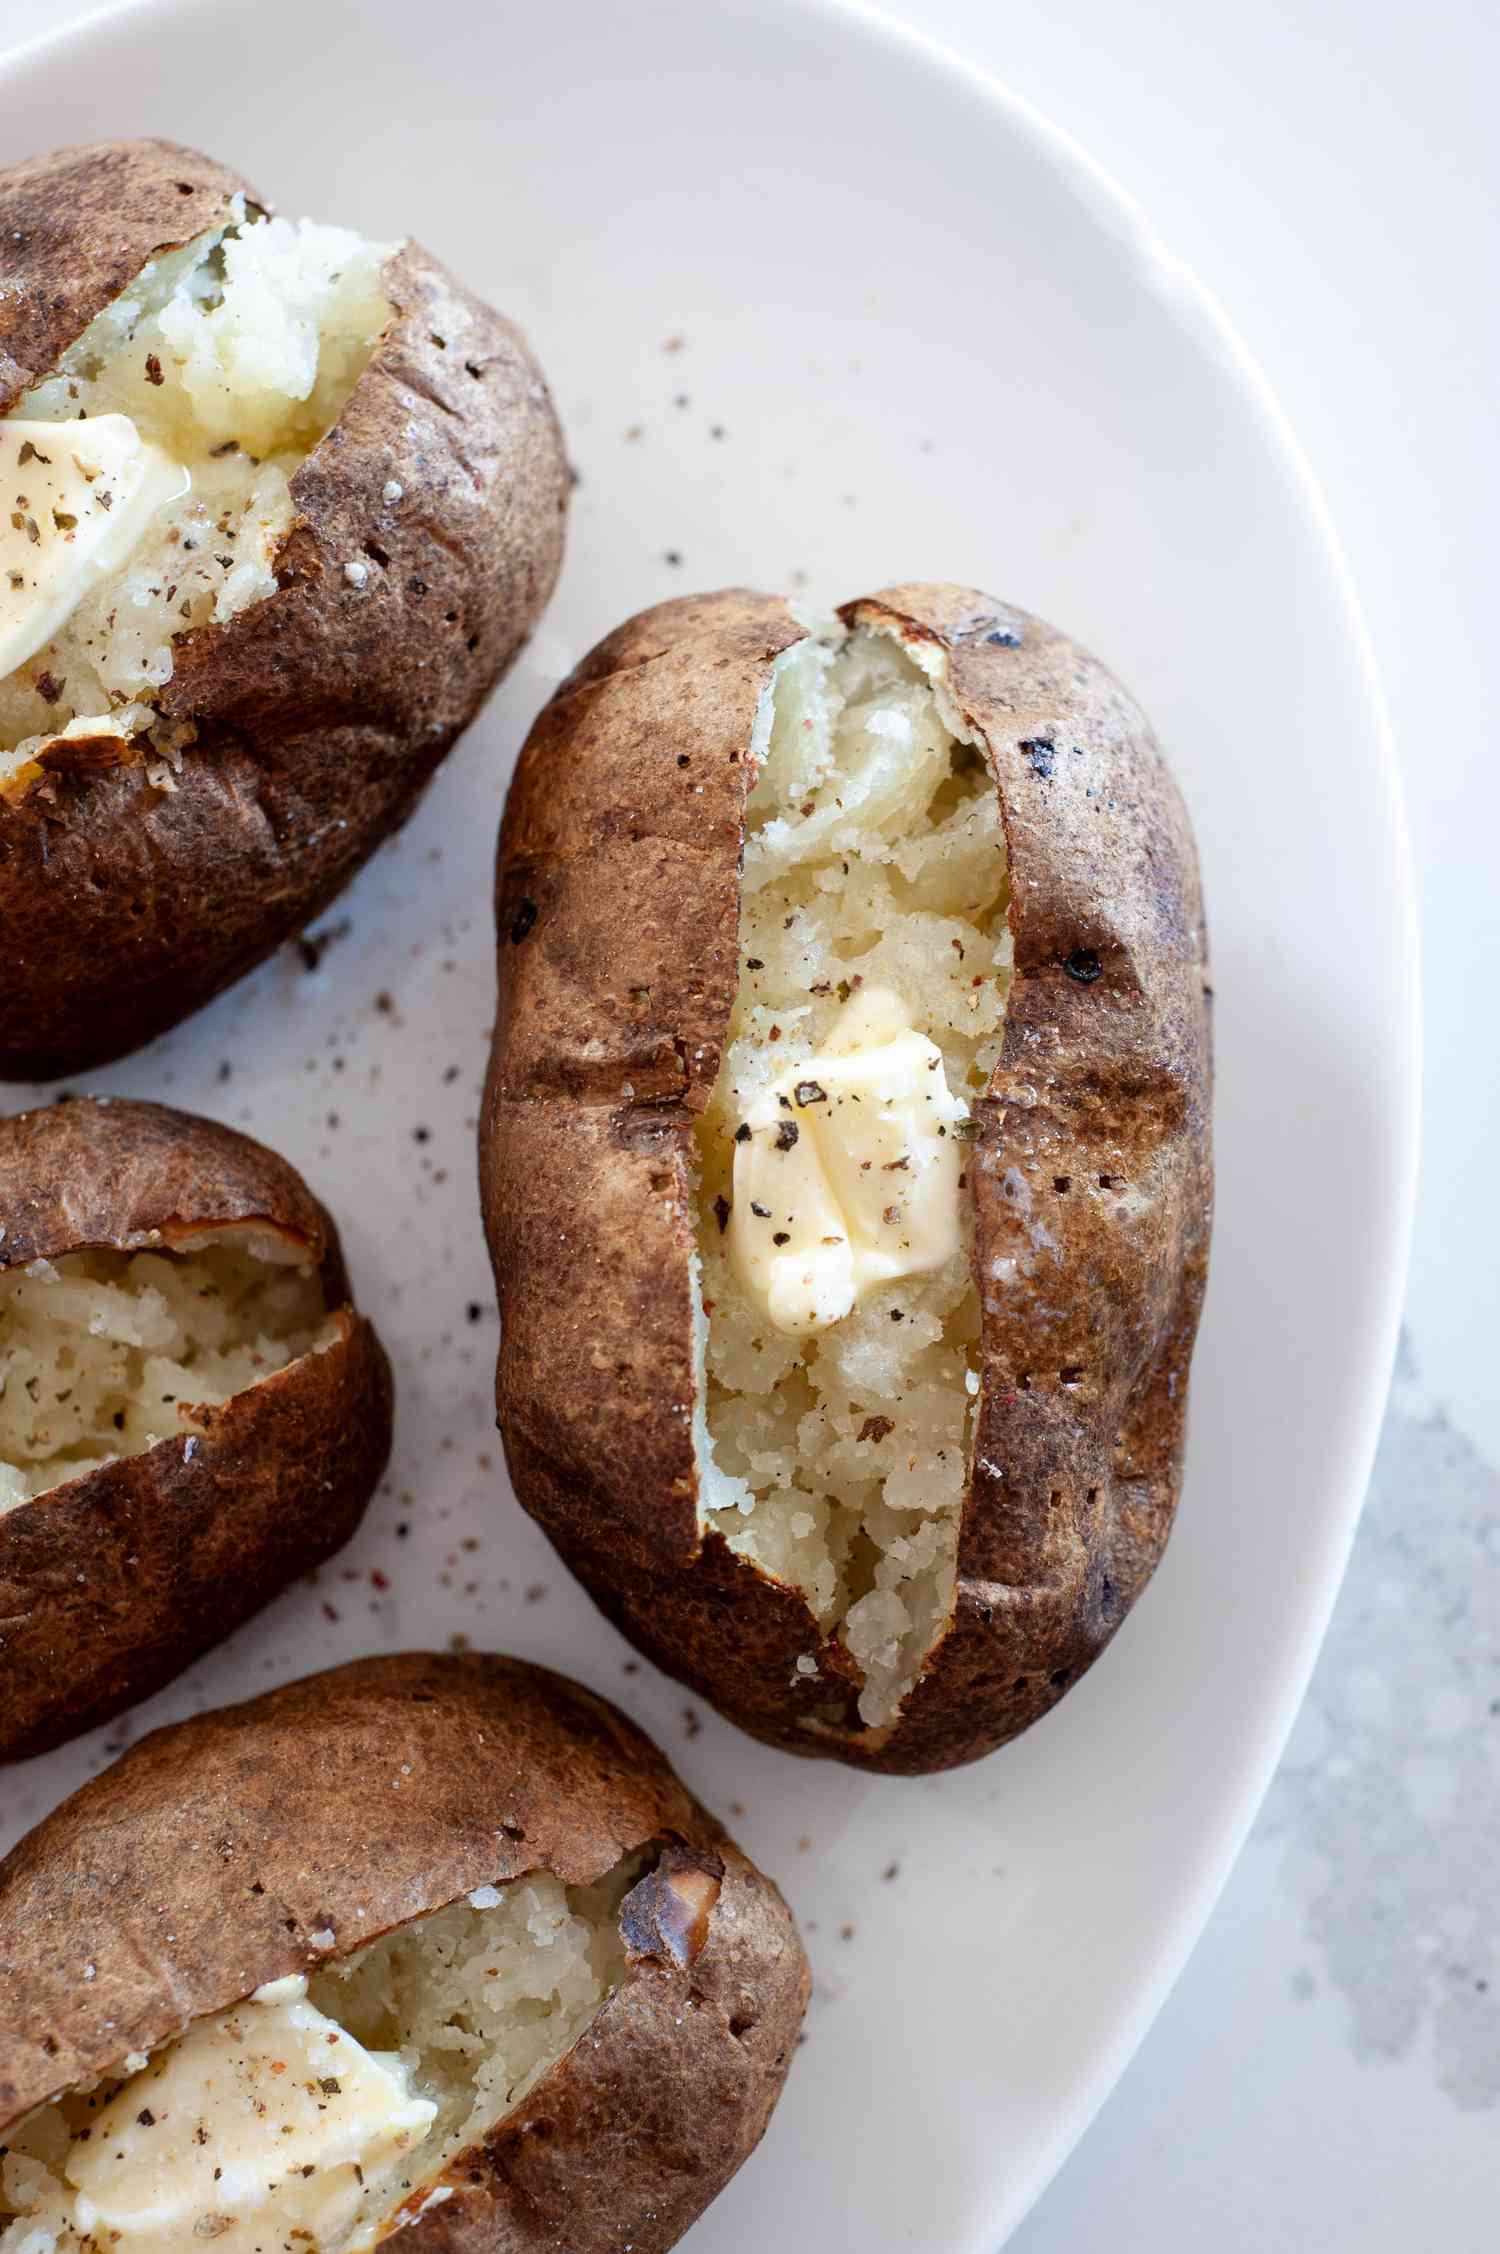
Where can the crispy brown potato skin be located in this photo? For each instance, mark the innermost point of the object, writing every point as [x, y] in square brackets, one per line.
[618, 912]
[116, 1581]
[320, 713]
[207, 1859]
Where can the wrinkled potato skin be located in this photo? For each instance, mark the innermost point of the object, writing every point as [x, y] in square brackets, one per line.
[204, 1862]
[115, 1581]
[617, 901]
[320, 713]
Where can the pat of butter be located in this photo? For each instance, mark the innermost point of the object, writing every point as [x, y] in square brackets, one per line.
[249, 2130]
[75, 500]
[846, 1170]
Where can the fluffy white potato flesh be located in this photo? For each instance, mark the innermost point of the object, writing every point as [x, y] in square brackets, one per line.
[299, 2121]
[875, 860]
[231, 359]
[102, 1354]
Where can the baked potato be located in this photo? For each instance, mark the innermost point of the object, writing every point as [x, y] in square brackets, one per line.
[191, 1411]
[845, 1158]
[436, 1945]
[317, 505]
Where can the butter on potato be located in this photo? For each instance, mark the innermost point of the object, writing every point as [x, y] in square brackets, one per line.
[879, 1476]
[230, 359]
[322, 508]
[431, 1950]
[305, 2113]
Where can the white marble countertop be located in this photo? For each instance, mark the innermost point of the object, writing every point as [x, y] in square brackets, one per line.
[1326, 2073]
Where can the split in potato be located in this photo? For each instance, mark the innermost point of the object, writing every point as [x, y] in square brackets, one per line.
[311, 2112]
[839, 1439]
[430, 1943]
[845, 1158]
[281, 504]
[209, 382]
[104, 1353]
[191, 1412]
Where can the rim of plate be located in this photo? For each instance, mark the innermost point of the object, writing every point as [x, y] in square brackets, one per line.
[1199, 312]
[1192, 306]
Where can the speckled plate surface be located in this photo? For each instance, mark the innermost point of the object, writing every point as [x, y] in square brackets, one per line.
[821, 311]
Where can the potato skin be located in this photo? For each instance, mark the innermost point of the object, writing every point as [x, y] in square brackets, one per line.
[617, 901]
[320, 713]
[79, 225]
[114, 1582]
[212, 1854]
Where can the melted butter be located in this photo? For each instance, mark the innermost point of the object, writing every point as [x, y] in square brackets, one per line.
[75, 501]
[846, 1170]
[251, 2130]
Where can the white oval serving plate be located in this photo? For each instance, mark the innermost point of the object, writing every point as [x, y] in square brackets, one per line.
[822, 310]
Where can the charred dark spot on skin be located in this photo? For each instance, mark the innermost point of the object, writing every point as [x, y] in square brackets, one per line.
[666, 1915]
[523, 921]
[1040, 754]
[998, 629]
